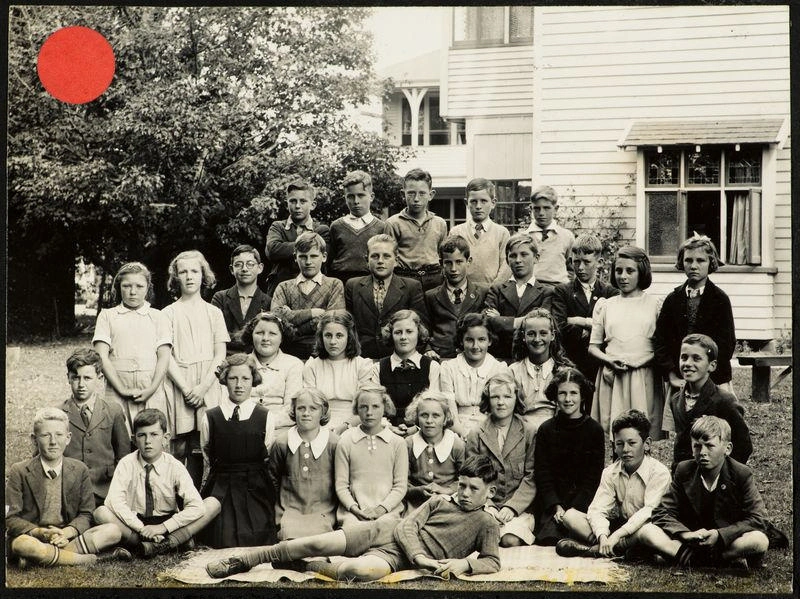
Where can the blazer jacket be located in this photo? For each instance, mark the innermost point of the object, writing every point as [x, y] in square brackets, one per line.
[514, 463]
[25, 496]
[102, 444]
[401, 294]
[714, 318]
[570, 300]
[738, 507]
[503, 298]
[227, 300]
[444, 315]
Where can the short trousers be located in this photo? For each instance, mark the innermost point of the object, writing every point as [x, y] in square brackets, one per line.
[375, 537]
[520, 526]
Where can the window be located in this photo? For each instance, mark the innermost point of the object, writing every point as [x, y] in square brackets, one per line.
[484, 26]
[711, 190]
[432, 130]
[513, 204]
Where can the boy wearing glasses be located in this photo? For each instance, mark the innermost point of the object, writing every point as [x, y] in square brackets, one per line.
[418, 232]
[240, 303]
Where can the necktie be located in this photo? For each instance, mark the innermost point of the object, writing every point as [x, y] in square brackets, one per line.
[86, 415]
[545, 234]
[235, 415]
[458, 293]
[478, 230]
[380, 294]
[692, 293]
[407, 364]
[51, 474]
[148, 492]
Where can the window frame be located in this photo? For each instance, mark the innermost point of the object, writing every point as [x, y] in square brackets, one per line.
[495, 42]
[425, 121]
[755, 193]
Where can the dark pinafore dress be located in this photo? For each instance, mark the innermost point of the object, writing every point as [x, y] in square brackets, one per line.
[403, 385]
[238, 479]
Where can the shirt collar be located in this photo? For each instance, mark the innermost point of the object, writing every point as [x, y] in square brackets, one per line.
[546, 369]
[395, 360]
[619, 468]
[530, 281]
[442, 449]
[227, 406]
[713, 485]
[308, 225]
[428, 215]
[58, 467]
[551, 228]
[386, 282]
[462, 287]
[358, 434]
[698, 291]
[275, 363]
[317, 445]
[317, 278]
[144, 309]
[89, 402]
[157, 465]
[587, 286]
[481, 371]
[366, 219]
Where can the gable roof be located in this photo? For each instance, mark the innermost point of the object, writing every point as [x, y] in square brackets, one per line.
[422, 70]
[647, 132]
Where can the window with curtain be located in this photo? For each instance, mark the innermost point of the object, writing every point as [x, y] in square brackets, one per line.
[711, 190]
[484, 26]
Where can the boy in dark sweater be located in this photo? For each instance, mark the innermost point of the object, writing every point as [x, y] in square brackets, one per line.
[712, 514]
[347, 251]
[439, 536]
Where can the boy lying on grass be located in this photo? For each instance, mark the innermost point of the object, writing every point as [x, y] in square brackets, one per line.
[438, 537]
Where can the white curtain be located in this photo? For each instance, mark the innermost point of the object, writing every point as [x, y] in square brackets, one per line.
[741, 223]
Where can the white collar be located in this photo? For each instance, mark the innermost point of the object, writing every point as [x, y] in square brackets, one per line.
[317, 278]
[489, 363]
[698, 291]
[308, 225]
[227, 407]
[546, 367]
[462, 287]
[358, 434]
[442, 449]
[156, 465]
[274, 364]
[552, 227]
[530, 281]
[395, 360]
[366, 219]
[485, 223]
[619, 468]
[91, 402]
[144, 309]
[58, 467]
[318, 445]
[587, 286]
[713, 485]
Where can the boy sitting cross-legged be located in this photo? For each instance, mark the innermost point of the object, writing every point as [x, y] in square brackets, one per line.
[629, 490]
[152, 499]
[49, 503]
[439, 536]
[712, 514]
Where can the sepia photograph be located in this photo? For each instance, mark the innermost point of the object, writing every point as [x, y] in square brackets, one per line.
[464, 299]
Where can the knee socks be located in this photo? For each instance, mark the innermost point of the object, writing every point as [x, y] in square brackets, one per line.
[269, 553]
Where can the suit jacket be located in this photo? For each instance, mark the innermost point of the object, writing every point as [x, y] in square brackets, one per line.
[227, 300]
[714, 318]
[102, 444]
[713, 401]
[503, 298]
[570, 300]
[444, 315]
[25, 496]
[401, 294]
[514, 463]
[738, 507]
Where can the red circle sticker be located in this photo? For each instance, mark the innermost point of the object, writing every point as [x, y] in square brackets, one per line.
[76, 65]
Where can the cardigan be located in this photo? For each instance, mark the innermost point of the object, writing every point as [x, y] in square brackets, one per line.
[713, 401]
[714, 318]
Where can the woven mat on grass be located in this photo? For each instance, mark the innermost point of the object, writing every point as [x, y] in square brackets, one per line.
[517, 564]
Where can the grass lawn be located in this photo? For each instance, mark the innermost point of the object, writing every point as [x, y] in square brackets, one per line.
[38, 378]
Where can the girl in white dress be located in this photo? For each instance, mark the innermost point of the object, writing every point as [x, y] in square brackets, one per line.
[462, 378]
[199, 337]
[622, 339]
[337, 368]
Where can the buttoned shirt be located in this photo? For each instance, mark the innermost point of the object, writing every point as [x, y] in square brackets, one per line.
[317, 445]
[451, 291]
[524, 285]
[307, 225]
[587, 289]
[695, 292]
[89, 404]
[307, 285]
[169, 479]
[57, 468]
[634, 495]
[359, 222]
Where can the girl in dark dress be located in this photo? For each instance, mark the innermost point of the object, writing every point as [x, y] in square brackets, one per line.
[568, 458]
[236, 437]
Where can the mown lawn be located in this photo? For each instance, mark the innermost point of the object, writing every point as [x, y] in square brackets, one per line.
[38, 378]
